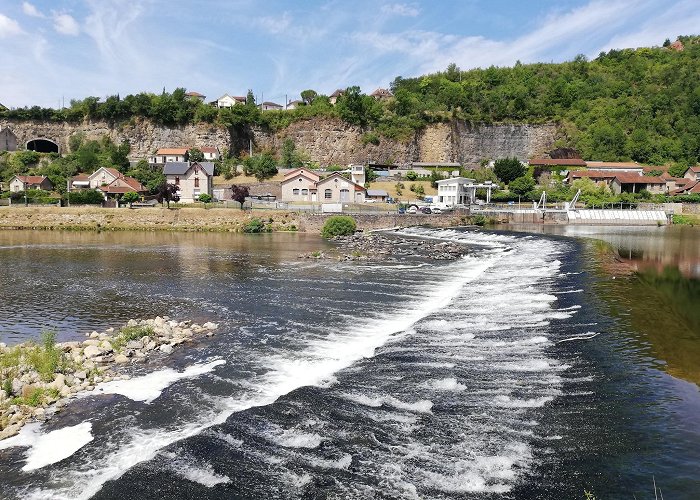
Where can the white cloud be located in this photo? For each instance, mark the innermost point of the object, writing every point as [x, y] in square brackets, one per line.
[66, 24]
[31, 10]
[9, 27]
[401, 9]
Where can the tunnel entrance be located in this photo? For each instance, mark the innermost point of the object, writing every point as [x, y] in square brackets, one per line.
[42, 146]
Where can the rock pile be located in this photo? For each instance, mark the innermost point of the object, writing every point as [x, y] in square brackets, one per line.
[36, 380]
[374, 246]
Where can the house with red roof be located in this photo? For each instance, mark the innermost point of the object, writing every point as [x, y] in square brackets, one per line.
[103, 176]
[629, 182]
[25, 182]
[693, 173]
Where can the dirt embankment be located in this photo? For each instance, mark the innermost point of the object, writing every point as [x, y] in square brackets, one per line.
[194, 219]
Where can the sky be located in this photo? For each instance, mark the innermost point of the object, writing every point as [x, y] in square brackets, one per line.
[52, 51]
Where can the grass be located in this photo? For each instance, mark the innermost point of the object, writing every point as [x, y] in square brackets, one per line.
[129, 333]
[46, 359]
[687, 220]
[406, 193]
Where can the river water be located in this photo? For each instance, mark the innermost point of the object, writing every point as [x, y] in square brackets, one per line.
[515, 372]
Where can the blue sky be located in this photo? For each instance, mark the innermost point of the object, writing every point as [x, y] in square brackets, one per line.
[54, 49]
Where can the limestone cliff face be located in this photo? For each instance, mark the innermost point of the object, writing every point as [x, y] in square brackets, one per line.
[326, 141]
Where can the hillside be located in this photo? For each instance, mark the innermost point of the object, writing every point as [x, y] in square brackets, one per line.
[641, 105]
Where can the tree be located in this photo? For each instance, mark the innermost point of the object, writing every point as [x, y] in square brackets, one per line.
[290, 158]
[167, 193]
[338, 225]
[308, 96]
[239, 193]
[522, 185]
[205, 198]
[262, 166]
[195, 154]
[130, 197]
[370, 175]
[411, 175]
[150, 178]
[508, 169]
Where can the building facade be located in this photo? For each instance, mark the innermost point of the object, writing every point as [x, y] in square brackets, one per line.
[192, 179]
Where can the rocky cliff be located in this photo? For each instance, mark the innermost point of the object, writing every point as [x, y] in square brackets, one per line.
[326, 141]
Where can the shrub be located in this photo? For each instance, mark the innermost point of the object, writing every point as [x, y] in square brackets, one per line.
[89, 197]
[254, 226]
[205, 198]
[338, 225]
[411, 175]
[508, 169]
[128, 333]
[370, 138]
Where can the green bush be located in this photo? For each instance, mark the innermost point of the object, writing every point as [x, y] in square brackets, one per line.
[89, 197]
[254, 226]
[338, 225]
[370, 138]
[411, 175]
[128, 333]
[205, 198]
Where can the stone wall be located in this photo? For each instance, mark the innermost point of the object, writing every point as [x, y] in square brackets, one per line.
[325, 140]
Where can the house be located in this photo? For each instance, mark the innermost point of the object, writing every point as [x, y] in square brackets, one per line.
[337, 189]
[196, 95]
[382, 94]
[600, 177]
[693, 173]
[629, 182]
[121, 185]
[103, 176]
[8, 140]
[378, 195]
[616, 166]
[165, 155]
[25, 182]
[227, 101]
[192, 178]
[357, 174]
[80, 181]
[211, 153]
[271, 106]
[300, 185]
[295, 104]
[558, 162]
[690, 187]
[333, 98]
[456, 191]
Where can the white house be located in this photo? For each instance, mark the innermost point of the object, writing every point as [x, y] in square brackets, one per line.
[196, 95]
[295, 104]
[211, 153]
[455, 191]
[337, 189]
[192, 178]
[227, 101]
[382, 94]
[8, 139]
[271, 106]
[357, 174]
[20, 182]
[333, 98]
[165, 155]
[300, 185]
[103, 176]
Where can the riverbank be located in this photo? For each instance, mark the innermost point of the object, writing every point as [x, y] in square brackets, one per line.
[36, 380]
[197, 219]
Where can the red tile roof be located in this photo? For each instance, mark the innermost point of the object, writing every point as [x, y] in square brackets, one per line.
[632, 178]
[209, 149]
[31, 179]
[568, 162]
[613, 164]
[171, 151]
[80, 177]
[601, 174]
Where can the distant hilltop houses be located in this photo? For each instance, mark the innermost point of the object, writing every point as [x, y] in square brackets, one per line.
[228, 101]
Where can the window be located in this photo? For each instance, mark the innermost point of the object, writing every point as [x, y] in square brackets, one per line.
[196, 182]
[305, 192]
[328, 194]
[295, 192]
[177, 181]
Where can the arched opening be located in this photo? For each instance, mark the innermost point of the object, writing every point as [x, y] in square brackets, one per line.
[42, 146]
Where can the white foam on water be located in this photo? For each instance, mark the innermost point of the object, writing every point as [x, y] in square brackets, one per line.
[445, 384]
[51, 447]
[203, 475]
[421, 406]
[148, 388]
[295, 439]
[321, 359]
[508, 402]
[342, 463]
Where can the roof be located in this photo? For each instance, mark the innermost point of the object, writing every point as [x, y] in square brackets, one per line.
[209, 149]
[695, 170]
[181, 167]
[692, 187]
[112, 171]
[632, 178]
[458, 180]
[302, 171]
[593, 173]
[559, 162]
[377, 192]
[194, 94]
[172, 151]
[31, 179]
[295, 102]
[80, 177]
[336, 175]
[309, 178]
[123, 184]
[435, 164]
[382, 93]
[613, 164]
[337, 93]
[240, 98]
[269, 103]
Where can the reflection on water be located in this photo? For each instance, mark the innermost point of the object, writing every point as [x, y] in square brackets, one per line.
[641, 247]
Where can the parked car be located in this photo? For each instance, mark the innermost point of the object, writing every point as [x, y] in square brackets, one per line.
[412, 210]
[436, 210]
[426, 210]
[402, 210]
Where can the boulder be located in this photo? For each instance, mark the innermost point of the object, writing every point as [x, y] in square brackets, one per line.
[81, 375]
[210, 326]
[134, 344]
[17, 385]
[94, 342]
[58, 382]
[132, 322]
[106, 346]
[39, 413]
[94, 335]
[91, 351]
[120, 359]
[10, 430]
[65, 391]
[166, 348]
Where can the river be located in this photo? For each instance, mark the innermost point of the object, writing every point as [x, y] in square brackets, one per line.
[523, 370]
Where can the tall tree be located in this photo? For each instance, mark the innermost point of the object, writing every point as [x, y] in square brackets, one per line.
[239, 193]
[508, 169]
[308, 96]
